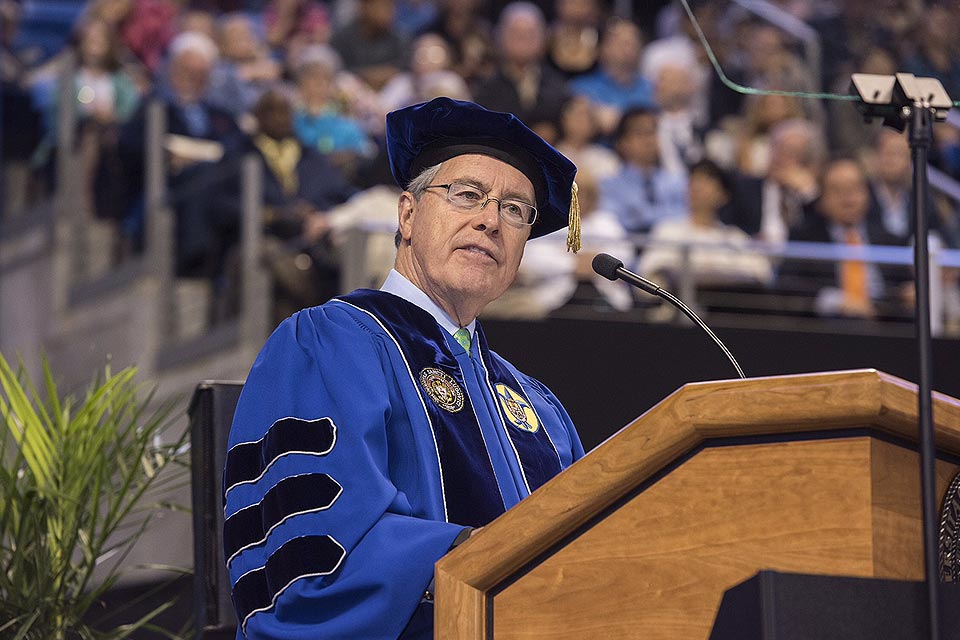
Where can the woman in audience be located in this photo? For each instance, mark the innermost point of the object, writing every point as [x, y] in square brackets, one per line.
[322, 120]
[573, 47]
[578, 139]
[105, 96]
[430, 54]
[699, 245]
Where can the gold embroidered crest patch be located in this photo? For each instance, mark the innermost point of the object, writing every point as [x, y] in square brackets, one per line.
[517, 409]
[442, 389]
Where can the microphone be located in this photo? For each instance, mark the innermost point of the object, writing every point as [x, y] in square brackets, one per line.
[612, 269]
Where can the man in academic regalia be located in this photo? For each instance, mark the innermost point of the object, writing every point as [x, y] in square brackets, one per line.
[378, 431]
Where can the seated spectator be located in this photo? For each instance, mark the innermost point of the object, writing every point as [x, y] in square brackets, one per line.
[369, 46]
[848, 133]
[937, 51]
[890, 169]
[355, 98]
[105, 97]
[299, 251]
[718, 254]
[295, 24]
[549, 280]
[617, 84]
[321, 120]
[743, 144]
[578, 140]
[851, 287]
[429, 54]
[198, 135]
[679, 135]
[682, 48]
[643, 192]
[469, 36]
[22, 126]
[769, 62]
[245, 68]
[523, 84]
[146, 27]
[573, 47]
[769, 208]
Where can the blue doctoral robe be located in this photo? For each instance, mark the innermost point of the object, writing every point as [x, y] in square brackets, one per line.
[365, 440]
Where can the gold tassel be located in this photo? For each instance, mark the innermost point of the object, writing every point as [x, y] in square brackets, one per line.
[573, 227]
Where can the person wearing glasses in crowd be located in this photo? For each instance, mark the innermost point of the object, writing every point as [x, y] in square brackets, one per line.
[378, 431]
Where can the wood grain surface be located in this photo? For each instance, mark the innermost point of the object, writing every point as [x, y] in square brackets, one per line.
[657, 566]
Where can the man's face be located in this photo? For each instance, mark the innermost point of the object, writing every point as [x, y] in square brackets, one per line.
[844, 198]
[638, 145]
[275, 116]
[454, 255]
[621, 46]
[522, 39]
[189, 74]
[892, 158]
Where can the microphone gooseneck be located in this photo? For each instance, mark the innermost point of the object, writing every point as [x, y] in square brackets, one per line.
[612, 269]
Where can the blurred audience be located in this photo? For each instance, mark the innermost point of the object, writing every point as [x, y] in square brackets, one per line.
[299, 252]
[699, 246]
[369, 46]
[295, 24]
[769, 208]
[523, 84]
[937, 51]
[679, 133]
[245, 68]
[744, 144]
[198, 136]
[573, 45]
[578, 134]
[322, 121]
[22, 126]
[429, 54]
[105, 97]
[852, 287]
[470, 38]
[644, 191]
[617, 84]
[633, 118]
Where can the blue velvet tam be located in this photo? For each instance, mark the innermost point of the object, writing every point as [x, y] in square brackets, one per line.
[426, 134]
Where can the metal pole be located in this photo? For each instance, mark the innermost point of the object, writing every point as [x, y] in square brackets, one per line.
[159, 224]
[920, 134]
[256, 299]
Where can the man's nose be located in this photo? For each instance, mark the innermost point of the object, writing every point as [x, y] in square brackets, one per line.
[488, 216]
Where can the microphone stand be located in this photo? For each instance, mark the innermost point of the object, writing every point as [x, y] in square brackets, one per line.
[920, 135]
[905, 101]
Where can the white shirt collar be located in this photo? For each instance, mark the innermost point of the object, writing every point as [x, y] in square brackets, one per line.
[397, 284]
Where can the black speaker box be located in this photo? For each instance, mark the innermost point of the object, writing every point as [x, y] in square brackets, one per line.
[211, 412]
[791, 606]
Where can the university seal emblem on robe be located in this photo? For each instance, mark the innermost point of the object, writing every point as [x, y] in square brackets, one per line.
[442, 389]
[517, 409]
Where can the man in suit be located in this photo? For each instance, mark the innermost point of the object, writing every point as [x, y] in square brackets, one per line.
[523, 84]
[189, 119]
[850, 287]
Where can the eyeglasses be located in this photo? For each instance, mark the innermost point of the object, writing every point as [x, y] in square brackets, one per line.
[470, 198]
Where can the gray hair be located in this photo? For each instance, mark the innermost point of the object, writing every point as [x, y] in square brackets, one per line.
[423, 180]
[417, 187]
[194, 41]
[816, 148]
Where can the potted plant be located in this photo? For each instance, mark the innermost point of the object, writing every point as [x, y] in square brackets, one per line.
[78, 486]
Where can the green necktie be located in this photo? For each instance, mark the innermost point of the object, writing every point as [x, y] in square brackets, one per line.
[463, 337]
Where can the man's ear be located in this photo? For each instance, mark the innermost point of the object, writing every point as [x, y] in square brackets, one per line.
[406, 210]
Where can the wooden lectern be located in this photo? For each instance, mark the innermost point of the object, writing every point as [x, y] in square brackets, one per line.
[812, 474]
